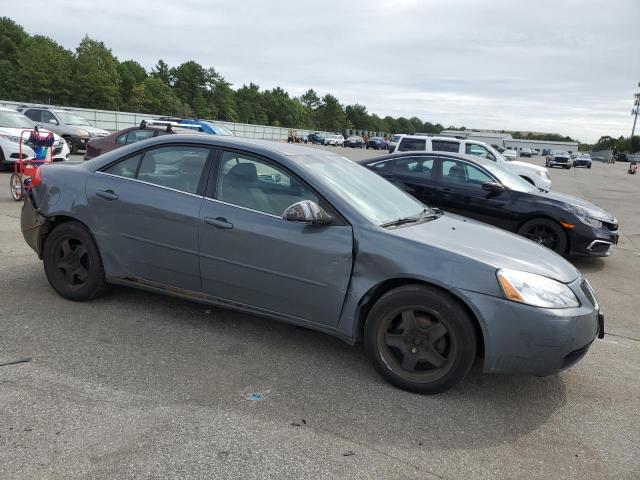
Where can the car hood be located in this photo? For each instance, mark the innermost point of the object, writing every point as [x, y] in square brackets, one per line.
[490, 245]
[527, 165]
[15, 132]
[584, 207]
[92, 129]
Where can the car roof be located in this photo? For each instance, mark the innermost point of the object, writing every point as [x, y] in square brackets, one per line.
[254, 144]
[457, 156]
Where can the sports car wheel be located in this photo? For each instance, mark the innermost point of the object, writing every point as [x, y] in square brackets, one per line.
[420, 339]
[72, 262]
[546, 233]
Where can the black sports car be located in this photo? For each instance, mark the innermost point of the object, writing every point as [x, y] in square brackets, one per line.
[478, 188]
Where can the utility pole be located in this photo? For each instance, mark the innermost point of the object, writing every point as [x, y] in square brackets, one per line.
[635, 111]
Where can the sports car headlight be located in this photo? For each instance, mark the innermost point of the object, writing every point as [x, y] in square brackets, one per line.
[82, 132]
[593, 222]
[543, 174]
[535, 290]
[11, 138]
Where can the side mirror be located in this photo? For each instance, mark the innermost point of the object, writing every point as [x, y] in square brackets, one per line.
[53, 121]
[493, 187]
[307, 211]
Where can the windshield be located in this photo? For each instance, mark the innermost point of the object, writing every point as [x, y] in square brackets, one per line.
[559, 152]
[377, 199]
[72, 119]
[510, 180]
[220, 129]
[15, 120]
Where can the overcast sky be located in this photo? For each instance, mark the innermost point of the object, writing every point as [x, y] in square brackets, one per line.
[562, 66]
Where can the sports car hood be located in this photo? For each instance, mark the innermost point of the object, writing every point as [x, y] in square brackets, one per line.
[492, 246]
[582, 206]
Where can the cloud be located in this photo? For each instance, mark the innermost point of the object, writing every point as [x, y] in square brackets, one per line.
[568, 67]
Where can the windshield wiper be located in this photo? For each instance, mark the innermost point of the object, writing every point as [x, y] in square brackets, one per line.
[426, 214]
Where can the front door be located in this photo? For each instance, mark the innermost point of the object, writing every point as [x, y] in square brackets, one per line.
[251, 256]
[461, 192]
[146, 210]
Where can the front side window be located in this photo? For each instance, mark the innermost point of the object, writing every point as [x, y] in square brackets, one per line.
[462, 173]
[253, 183]
[179, 167]
[412, 145]
[48, 117]
[478, 151]
[444, 146]
[136, 135]
[417, 167]
[121, 139]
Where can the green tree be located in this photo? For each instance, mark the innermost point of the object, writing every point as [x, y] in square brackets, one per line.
[163, 72]
[96, 78]
[358, 116]
[46, 71]
[331, 116]
[249, 105]
[158, 98]
[12, 41]
[190, 80]
[132, 75]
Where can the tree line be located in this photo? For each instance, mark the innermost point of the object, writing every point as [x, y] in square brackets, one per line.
[36, 69]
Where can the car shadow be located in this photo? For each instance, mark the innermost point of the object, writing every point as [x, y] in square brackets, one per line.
[588, 264]
[217, 358]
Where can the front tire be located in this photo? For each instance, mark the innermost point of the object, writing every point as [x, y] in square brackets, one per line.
[420, 339]
[545, 232]
[72, 263]
[71, 144]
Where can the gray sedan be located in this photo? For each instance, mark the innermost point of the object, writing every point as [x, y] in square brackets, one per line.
[310, 238]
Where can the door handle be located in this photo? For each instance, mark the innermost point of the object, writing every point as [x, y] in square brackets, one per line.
[218, 222]
[107, 194]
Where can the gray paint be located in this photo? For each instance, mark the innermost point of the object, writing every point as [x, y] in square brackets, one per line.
[317, 276]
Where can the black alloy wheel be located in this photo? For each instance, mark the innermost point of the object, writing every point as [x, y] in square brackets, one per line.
[72, 262]
[546, 233]
[420, 339]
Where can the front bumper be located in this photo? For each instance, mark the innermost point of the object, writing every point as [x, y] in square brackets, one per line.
[581, 163]
[585, 240]
[524, 339]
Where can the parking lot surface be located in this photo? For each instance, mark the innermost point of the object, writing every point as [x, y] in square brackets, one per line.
[138, 385]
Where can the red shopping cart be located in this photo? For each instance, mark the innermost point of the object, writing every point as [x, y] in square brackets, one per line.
[26, 166]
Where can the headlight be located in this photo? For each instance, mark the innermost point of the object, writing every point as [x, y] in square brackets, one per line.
[11, 138]
[543, 174]
[535, 290]
[81, 132]
[590, 221]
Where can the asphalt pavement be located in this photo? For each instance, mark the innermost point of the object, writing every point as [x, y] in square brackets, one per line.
[138, 385]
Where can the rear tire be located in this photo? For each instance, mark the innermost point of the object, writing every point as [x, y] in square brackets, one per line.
[545, 232]
[420, 339]
[72, 263]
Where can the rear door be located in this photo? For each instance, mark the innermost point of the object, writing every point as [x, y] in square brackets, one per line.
[416, 174]
[251, 256]
[146, 208]
[460, 191]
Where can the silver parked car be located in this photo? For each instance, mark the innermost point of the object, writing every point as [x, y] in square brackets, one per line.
[310, 238]
[76, 130]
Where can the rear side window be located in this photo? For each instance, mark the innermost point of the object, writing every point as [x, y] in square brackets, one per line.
[34, 115]
[417, 167]
[126, 168]
[412, 145]
[445, 146]
[177, 167]
[136, 135]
